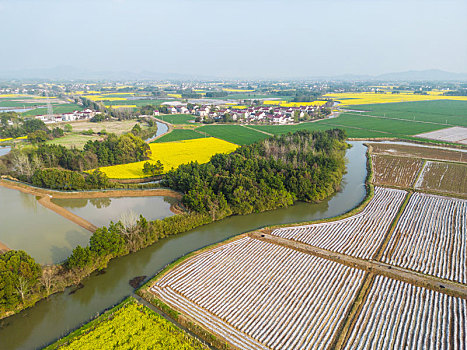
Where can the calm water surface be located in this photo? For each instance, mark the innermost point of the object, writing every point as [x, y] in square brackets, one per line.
[53, 318]
[100, 211]
[27, 225]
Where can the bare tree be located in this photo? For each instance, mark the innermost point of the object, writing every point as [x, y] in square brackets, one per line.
[47, 279]
[129, 221]
[21, 163]
[22, 287]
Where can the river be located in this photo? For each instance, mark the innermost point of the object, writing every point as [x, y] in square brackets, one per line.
[162, 128]
[61, 313]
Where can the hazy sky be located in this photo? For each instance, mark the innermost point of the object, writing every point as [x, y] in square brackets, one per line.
[235, 38]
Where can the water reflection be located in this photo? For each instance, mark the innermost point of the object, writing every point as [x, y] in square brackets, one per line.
[101, 211]
[27, 225]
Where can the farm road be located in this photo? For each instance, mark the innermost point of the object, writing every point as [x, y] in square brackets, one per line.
[415, 278]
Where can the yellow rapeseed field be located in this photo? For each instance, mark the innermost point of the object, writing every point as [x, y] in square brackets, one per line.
[175, 95]
[10, 138]
[238, 90]
[104, 98]
[360, 98]
[293, 104]
[121, 106]
[172, 154]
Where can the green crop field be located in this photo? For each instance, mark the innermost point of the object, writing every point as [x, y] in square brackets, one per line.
[359, 126]
[129, 325]
[386, 125]
[233, 133]
[178, 135]
[61, 108]
[351, 132]
[177, 118]
[137, 103]
[440, 111]
[73, 140]
[13, 104]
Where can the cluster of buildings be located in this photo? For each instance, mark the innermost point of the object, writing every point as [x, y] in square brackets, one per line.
[67, 117]
[253, 114]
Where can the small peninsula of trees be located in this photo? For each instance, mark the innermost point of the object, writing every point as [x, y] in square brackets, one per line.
[273, 173]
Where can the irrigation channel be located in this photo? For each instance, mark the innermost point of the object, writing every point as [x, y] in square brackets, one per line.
[63, 312]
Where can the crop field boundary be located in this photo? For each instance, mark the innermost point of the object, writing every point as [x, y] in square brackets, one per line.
[258, 130]
[415, 278]
[157, 310]
[180, 318]
[420, 172]
[388, 235]
[341, 337]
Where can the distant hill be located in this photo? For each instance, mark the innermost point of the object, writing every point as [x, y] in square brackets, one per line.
[72, 73]
[412, 75]
[431, 74]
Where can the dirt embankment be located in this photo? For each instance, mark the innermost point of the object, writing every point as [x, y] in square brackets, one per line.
[3, 248]
[89, 194]
[415, 278]
[47, 195]
[46, 202]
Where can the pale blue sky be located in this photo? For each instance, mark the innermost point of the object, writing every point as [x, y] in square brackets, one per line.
[228, 38]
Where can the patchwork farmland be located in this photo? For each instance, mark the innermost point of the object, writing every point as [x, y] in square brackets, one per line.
[265, 293]
[394, 275]
[395, 171]
[427, 224]
[359, 235]
[443, 177]
[397, 315]
[298, 300]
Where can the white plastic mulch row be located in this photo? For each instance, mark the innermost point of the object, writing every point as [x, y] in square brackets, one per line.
[398, 315]
[433, 237]
[359, 235]
[261, 295]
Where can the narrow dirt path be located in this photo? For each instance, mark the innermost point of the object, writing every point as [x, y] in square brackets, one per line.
[415, 278]
[47, 195]
[88, 194]
[3, 248]
[47, 203]
[261, 131]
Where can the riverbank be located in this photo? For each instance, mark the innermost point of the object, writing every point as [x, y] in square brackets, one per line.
[25, 188]
[169, 129]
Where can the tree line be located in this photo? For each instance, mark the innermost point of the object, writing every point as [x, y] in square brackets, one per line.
[58, 167]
